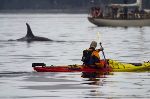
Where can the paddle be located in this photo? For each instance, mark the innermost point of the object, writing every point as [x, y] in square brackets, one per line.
[105, 64]
[98, 39]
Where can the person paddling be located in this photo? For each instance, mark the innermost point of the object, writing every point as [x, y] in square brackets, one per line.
[91, 56]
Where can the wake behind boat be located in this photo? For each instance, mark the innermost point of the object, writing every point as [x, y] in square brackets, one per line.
[123, 15]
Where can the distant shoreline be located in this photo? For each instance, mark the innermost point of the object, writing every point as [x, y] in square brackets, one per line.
[74, 11]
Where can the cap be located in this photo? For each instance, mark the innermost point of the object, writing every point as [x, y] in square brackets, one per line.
[93, 44]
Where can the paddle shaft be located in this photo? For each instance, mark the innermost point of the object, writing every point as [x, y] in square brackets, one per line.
[103, 53]
[102, 50]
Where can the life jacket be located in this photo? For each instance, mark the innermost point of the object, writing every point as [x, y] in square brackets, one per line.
[95, 58]
[90, 57]
[96, 54]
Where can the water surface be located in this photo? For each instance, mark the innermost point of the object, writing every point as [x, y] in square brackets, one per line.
[72, 33]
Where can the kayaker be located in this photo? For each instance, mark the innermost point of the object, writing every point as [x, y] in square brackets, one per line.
[91, 56]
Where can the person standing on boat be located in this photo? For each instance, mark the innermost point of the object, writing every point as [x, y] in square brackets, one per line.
[114, 12]
[91, 56]
[125, 10]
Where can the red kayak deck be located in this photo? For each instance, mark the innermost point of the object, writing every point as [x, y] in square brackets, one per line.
[41, 67]
[69, 69]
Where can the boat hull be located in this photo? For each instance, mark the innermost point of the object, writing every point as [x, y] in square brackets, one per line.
[119, 22]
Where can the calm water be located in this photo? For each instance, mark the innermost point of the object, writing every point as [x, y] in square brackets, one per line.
[74, 33]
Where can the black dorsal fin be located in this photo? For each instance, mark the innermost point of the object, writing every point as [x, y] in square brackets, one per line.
[29, 31]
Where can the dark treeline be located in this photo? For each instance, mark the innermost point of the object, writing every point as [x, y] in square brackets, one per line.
[79, 5]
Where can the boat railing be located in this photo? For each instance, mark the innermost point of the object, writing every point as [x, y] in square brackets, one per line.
[118, 13]
[129, 16]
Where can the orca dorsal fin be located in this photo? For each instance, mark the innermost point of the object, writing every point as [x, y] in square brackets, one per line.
[29, 31]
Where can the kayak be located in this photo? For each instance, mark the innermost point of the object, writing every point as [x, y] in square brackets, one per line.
[113, 66]
[41, 67]
[129, 67]
[70, 68]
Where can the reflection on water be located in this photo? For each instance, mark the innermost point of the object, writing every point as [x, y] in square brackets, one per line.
[94, 81]
[18, 80]
[93, 74]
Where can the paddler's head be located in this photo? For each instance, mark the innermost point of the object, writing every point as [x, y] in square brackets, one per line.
[93, 44]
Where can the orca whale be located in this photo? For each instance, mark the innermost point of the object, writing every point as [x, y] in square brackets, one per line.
[30, 36]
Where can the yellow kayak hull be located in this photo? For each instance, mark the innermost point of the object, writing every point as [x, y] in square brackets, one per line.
[126, 67]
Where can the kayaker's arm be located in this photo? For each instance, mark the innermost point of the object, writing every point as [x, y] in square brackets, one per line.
[101, 49]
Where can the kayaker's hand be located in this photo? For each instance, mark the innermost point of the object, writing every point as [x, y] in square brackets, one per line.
[101, 49]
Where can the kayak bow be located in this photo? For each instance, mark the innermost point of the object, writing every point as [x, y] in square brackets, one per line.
[129, 67]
